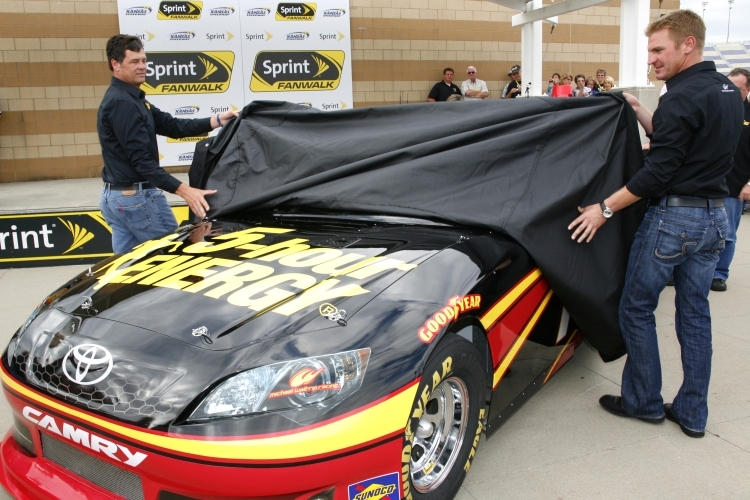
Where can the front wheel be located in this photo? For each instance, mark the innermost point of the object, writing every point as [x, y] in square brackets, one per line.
[443, 431]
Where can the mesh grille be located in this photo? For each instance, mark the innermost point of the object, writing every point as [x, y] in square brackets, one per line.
[102, 474]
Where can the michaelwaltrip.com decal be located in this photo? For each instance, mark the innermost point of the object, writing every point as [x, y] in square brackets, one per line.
[288, 71]
[296, 11]
[170, 73]
[455, 308]
[179, 11]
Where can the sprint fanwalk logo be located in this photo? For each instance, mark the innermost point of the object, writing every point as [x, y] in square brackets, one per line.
[170, 73]
[296, 11]
[179, 11]
[286, 71]
[197, 138]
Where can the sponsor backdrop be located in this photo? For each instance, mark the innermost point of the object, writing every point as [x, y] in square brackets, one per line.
[205, 57]
[59, 238]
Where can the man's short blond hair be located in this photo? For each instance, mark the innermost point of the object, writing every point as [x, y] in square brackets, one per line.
[681, 24]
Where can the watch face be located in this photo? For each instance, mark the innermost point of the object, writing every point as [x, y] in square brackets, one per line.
[607, 212]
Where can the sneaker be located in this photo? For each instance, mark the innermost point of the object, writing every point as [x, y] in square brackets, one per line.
[718, 285]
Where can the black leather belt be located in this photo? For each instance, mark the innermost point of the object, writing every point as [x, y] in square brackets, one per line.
[685, 201]
[131, 187]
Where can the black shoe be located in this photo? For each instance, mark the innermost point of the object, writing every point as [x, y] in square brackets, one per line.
[718, 285]
[670, 416]
[613, 404]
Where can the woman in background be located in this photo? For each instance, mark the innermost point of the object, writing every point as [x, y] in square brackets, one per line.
[609, 83]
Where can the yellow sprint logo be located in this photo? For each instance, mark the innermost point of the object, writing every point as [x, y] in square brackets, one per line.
[296, 11]
[179, 11]
[170, 73]
[287, 71]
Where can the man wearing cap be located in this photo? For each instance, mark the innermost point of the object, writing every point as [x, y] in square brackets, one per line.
[514, 87]
[441, 91]
[474, 88]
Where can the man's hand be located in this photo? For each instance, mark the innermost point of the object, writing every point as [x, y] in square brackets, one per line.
[590, 220]
[224, 117]
[745, 193]
[195, 198]
[643, 114]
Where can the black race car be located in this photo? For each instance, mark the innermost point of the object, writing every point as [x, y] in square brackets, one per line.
[286, 354]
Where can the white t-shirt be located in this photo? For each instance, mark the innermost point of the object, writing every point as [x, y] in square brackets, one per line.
[477, 85]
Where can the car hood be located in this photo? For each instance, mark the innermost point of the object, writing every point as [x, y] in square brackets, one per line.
[242, 284]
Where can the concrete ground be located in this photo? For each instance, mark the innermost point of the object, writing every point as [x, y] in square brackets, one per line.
[561, 444]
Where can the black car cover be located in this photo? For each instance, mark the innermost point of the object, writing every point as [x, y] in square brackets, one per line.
[517, 166]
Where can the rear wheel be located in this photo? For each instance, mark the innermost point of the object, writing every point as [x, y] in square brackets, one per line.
[446, 421]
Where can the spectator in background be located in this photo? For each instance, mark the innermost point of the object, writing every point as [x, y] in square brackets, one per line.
[609, 84]
[554, 81]
[441, 91]
[566, 79]
[581, 89]
[591, 85]
[474, 89]
[601, 76]
[738, 183]
[514, 87]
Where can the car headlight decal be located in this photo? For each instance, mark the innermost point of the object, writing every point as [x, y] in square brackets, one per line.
[318, 381]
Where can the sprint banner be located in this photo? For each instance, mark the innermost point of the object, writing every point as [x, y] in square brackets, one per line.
[210, 56]
[59, 238]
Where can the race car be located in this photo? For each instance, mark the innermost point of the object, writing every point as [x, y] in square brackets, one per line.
[285, 353]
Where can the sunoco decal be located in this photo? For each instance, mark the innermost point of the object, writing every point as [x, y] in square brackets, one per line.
[179, 11]
[296, 11]
[287, 71]
[376, 488]
[188, 72]
[456, 307]
[84, 438]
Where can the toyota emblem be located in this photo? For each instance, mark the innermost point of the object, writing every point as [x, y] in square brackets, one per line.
[88, 357]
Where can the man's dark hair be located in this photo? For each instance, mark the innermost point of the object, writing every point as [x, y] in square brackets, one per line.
[743, 72]
[118, 44]
[447, 70]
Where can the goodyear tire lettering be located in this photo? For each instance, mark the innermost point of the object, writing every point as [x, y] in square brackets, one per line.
[475, 444]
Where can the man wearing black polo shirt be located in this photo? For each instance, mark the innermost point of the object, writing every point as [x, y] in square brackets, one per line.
[514, 87]
[693, 133]
[441, 91]
[131, 200]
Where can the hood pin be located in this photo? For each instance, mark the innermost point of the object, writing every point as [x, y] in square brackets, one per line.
[333, 313]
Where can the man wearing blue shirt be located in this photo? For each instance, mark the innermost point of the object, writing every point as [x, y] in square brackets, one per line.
[132, 201]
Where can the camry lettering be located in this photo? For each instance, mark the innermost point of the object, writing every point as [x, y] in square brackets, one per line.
[246, 280]
[84, 438]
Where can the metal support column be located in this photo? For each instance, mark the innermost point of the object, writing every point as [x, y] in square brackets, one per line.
[634, 17]
[531, 52]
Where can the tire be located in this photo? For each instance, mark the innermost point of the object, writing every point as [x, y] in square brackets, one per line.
[437, 454]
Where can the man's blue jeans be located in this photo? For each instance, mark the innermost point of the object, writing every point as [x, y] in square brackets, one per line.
[136, 218]
[734, 208]
[685, 242]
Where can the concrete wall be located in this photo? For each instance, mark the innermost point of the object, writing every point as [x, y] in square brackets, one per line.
[53, 69]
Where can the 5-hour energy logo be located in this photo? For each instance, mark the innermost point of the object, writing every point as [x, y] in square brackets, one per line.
[285, 71]
[170, 73]
[296, 11]
[179, 11]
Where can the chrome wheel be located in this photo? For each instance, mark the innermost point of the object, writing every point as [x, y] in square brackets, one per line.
[439, 434]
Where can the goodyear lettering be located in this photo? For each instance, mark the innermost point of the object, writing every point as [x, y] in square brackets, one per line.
[321, 274]
[456, 306]
[84, 438]
[475, 444]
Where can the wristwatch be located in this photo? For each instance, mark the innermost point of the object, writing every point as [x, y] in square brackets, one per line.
[606, 211]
